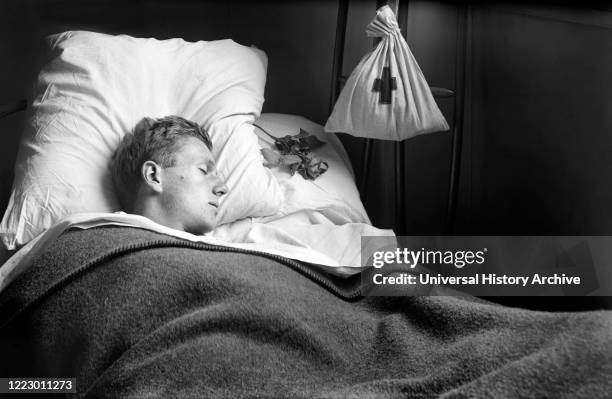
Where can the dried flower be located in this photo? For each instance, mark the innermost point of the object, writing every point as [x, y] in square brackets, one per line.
[294, 154]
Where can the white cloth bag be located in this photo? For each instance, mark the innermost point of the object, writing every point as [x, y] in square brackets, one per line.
[386, 97]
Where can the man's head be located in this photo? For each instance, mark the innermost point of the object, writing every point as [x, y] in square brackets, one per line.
[165, 170]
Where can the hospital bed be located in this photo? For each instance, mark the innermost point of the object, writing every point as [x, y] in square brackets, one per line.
[272, 303]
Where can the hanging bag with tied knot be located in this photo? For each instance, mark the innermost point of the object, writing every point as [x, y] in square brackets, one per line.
[386, 96]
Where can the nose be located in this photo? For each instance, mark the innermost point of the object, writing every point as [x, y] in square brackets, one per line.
[219, 189]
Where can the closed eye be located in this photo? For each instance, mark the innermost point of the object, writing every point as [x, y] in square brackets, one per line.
[203, 171]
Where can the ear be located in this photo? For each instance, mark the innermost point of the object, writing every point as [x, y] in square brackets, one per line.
[152, 175]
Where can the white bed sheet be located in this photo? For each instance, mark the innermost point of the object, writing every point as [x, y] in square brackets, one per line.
[308, 236]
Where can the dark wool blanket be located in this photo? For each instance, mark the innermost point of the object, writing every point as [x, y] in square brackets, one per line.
[132, 313]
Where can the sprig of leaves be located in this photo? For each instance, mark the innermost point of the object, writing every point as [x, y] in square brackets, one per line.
[294, 154]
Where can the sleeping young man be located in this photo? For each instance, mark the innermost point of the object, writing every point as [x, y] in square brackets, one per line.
[164, 170]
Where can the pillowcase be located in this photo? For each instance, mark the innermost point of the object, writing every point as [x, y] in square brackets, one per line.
[97, 87]
[334, 192]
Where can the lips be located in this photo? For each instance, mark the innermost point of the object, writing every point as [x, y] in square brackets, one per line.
[214, 204]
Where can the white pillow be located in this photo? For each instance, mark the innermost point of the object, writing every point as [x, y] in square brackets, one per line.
[97, 87]
[333, 191]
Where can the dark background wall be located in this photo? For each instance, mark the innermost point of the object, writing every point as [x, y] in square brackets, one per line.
[540, 137]
[537, 145]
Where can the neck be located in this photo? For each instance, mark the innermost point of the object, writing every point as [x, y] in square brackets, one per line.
[151, 208]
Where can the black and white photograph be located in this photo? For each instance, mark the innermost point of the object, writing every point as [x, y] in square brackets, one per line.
[305, 199]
